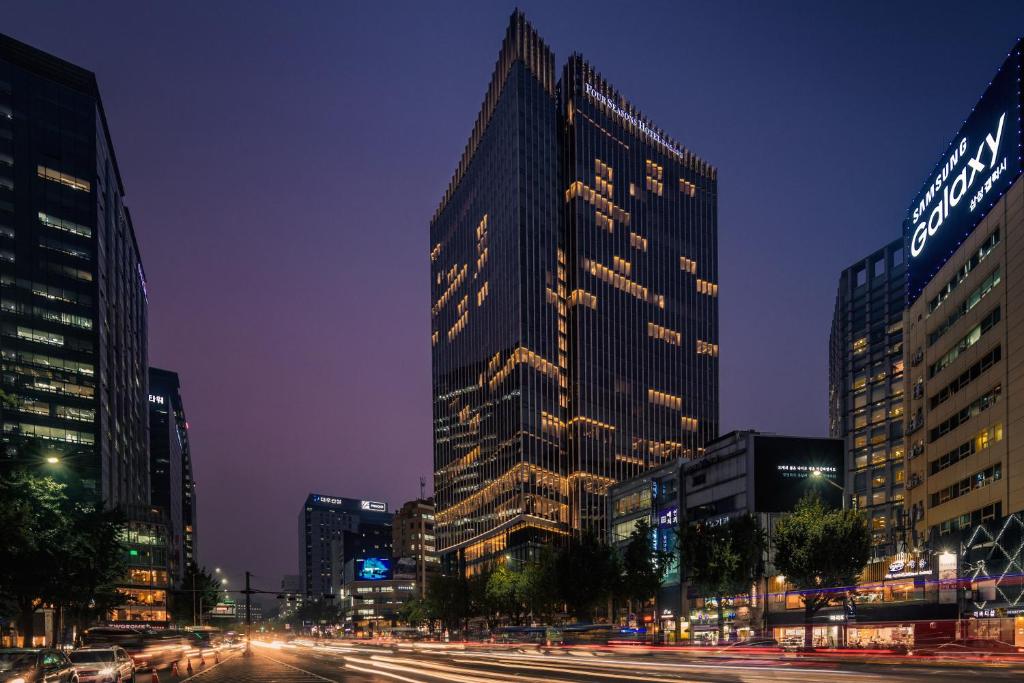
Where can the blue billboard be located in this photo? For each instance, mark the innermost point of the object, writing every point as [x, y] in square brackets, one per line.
[373, 569]
[980, 164]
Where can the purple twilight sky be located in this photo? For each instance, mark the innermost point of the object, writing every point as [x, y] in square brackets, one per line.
[282, 161]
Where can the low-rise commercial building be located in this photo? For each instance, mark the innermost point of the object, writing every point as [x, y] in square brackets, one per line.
[147, 581]
[655, 498]
[741, 472]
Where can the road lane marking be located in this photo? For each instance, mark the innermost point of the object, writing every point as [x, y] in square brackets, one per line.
[308, 673]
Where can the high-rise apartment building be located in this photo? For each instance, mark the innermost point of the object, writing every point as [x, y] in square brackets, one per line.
[337, 531]
[866, 389]
[964, 344]
[170, 468]
[574, 326]
[73, 311]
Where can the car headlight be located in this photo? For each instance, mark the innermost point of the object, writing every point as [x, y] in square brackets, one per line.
[19, 679]
[109, 671]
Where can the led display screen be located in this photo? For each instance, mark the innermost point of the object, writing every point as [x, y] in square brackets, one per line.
[981, 162]
[373, 569]
[787, 468]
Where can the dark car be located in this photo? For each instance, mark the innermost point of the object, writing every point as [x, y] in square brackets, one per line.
[36, 665]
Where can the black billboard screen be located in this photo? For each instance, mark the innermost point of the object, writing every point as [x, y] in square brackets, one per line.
[787, 468]
[980, 164]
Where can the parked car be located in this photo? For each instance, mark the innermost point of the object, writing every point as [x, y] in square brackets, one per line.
[103, 665]
[36, 665]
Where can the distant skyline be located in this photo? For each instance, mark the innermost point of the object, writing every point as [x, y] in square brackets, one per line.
[282, 163]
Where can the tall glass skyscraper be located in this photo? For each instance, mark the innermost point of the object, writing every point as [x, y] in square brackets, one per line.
[574, 284]
[866, 390]
[170, 468]
[73, 317]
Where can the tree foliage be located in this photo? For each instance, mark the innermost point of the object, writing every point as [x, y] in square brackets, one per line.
[54, 550]
[198, 595]
[588, 572]
[448, 600]
[643, 566]
[723, 560]
[817, 548]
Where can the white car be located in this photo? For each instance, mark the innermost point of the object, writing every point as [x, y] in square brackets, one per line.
[103, 665]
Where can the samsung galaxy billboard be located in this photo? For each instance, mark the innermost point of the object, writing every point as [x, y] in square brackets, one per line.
[981, 162]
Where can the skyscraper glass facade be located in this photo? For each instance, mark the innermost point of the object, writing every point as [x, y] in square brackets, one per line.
[170, 468]
[866, 390]
[574, 307]
[73, 316]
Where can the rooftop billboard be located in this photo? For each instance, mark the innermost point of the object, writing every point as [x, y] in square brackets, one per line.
[980, 163]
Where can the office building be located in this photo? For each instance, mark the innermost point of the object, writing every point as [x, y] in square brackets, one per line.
[334, 531]
[866, 390]
[368, 604]
[964, 353]
[574, 320]
[73, 313]
[170, 468]
[414, 544]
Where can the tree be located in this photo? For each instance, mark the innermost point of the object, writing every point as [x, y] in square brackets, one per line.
[587, 571]
[447, 600]
[197, 596]
[415, 611]
[318, 612]
[91, 564]
[722, 560]
[33, 525]
[818, 549]
[539, 586]
[643, 565]
[504, 591]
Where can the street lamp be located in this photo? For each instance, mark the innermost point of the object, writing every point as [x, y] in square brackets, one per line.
[817, 474]
[53, 460]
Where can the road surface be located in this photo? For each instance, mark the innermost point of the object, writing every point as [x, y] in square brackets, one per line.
[434, 663]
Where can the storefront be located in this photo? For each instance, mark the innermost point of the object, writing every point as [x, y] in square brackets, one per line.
[1005, 624]
[823, 635]
[741, 620]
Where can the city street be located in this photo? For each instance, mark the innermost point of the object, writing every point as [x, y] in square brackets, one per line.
[300, 663]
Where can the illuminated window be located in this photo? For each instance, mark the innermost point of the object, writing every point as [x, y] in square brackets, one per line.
[689, 265]
[707, 349]
[583, 297]
[65, 225]
[705, 287]
[622, 265]
[637, 242]
[663, 333]
[64, 179]
[662, 399]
